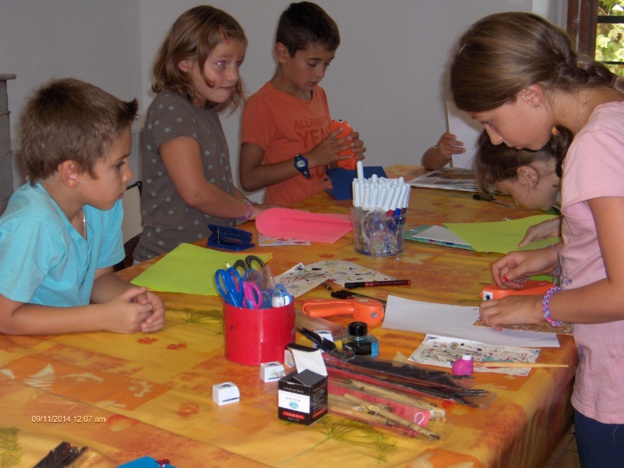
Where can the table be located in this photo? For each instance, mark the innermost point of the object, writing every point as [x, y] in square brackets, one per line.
[127, 396]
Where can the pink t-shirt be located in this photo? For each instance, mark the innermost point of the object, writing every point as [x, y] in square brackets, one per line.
[594, 167]
[284, 126]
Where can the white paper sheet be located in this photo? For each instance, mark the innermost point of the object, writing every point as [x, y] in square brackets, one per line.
[467, 131]
[457, 322]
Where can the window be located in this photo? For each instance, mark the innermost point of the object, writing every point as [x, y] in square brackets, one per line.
[597, 26]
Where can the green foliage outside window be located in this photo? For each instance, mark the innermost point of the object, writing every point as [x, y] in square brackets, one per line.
[610, 36]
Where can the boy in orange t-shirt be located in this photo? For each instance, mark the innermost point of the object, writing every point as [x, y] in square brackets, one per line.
[286, 140]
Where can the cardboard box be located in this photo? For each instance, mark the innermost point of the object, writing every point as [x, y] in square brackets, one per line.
[302, 397]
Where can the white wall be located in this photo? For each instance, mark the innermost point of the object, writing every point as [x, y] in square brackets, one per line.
[388, 78]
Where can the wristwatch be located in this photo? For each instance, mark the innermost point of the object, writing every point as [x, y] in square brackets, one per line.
[301, 164]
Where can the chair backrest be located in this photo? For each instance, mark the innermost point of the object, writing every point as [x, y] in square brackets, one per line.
[132, 224]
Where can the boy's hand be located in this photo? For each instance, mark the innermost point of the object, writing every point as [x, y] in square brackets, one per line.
[156, 320]
[127, 312]
[326, 152]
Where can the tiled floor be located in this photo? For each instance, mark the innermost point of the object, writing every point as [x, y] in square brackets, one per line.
[566, 455]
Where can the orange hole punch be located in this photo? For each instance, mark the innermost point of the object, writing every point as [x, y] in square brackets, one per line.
[529, 288]
[351, 163]
[363, 309]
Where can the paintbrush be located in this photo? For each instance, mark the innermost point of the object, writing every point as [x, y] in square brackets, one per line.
[516, 364]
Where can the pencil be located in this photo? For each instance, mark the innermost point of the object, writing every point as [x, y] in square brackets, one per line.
[515, 364]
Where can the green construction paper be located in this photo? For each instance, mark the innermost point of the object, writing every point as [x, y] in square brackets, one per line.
[189, 269]
[501, 236]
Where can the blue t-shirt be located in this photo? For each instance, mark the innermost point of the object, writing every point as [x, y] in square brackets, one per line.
[44, 260]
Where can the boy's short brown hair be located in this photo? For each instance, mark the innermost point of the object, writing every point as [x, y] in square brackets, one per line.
[69, 119]
[306, 23]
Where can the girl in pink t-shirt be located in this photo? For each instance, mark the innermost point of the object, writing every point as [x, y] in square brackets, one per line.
[519, 76]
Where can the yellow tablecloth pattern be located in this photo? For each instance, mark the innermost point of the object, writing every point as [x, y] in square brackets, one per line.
[127, 396]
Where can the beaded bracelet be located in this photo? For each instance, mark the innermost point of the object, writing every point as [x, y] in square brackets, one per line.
[247, 215]
[546, 307]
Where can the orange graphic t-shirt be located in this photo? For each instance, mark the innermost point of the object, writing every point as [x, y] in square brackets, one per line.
[285, 126]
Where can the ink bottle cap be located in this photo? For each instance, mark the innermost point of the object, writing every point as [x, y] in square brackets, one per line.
[358, 329]
[359, 342]
[463, 366]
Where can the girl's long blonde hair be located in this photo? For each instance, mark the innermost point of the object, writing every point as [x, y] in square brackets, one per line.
[193, 36]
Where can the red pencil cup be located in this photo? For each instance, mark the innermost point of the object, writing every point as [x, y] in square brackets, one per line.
[254, 336]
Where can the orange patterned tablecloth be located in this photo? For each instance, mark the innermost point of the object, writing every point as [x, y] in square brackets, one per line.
[126, 396]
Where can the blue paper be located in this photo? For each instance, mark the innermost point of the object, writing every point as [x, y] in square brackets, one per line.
[144, 462]
[342, 180]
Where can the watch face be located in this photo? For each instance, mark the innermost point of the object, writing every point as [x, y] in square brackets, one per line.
[301, 162]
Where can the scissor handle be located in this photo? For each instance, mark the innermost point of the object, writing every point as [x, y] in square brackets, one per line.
[229, 285]
[253, 295]
[251, 259]
[253, 276]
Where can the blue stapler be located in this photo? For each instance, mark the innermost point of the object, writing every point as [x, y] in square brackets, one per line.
[225, 237]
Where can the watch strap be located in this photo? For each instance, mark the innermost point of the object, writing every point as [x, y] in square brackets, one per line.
[301, 164]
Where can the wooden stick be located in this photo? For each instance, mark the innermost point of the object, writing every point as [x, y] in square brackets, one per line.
[340, 400]
[515, 364]
[436, 412]
[362, 415]
[392, 417]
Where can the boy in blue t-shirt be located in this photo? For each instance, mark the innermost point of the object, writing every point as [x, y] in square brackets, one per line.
[60, 235]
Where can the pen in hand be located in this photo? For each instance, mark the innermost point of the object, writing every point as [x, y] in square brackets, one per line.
[479, 196]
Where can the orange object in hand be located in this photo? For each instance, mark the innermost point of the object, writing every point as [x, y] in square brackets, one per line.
[529, 288]
[346, 130]
[363, 309]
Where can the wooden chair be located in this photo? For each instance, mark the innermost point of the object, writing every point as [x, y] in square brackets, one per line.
[132, 224]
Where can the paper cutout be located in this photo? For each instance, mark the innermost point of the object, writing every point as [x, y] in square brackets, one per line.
[456, 322]
[502, 236]
[303, 278]
[297, 224]
[442, 351]
[188, 269]
[265, 241]
[437, 235]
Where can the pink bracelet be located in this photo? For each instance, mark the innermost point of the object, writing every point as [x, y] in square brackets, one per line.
[247, 215]
[546, 307]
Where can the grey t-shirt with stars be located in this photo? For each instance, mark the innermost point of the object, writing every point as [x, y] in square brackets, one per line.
[168, 221]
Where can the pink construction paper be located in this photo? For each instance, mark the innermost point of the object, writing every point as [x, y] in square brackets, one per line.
[296, 224]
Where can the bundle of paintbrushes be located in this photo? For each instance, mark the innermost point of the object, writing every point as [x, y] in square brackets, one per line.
[409, 415]
[407, 379]
[397, 395]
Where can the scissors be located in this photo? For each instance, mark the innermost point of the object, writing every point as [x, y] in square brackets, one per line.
[260, 275]
[248, 263]
[230, 286]
[280, 297]
[238, 292]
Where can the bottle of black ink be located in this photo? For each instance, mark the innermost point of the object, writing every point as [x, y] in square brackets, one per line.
[359, 341]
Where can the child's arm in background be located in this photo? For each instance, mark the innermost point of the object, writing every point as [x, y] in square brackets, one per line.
[442, 153]
[124, 309]
[254, 175]
[182, 159]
